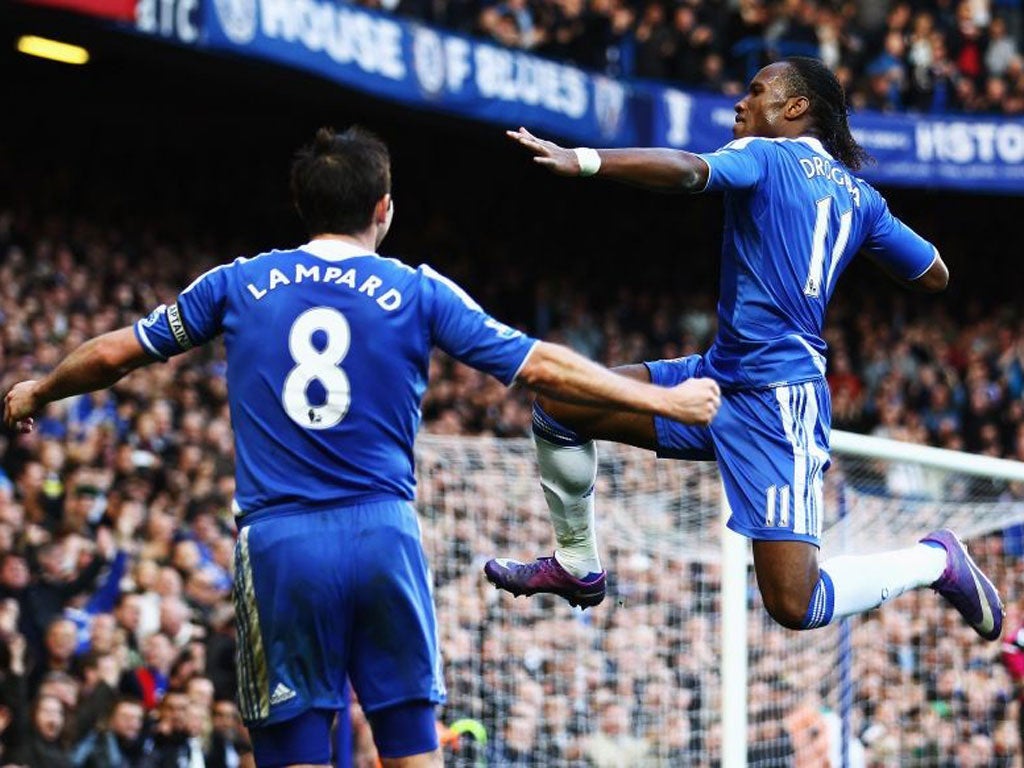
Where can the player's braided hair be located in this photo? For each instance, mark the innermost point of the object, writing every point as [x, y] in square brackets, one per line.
[810, 77]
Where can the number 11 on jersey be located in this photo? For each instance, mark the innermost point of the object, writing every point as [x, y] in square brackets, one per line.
[812, 287]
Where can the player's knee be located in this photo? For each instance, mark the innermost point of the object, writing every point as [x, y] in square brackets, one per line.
[553, 427]
[787, 608]
[556, 409]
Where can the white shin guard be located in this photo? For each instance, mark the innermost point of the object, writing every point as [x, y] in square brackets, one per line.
[567, 475]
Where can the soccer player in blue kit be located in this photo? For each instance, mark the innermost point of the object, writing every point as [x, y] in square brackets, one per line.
[795, 216]
[328, 348]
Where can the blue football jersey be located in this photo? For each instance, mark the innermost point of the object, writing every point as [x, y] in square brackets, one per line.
[794, 219]
[328, 351]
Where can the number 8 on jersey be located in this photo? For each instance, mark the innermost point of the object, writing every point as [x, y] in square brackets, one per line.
[312, 364]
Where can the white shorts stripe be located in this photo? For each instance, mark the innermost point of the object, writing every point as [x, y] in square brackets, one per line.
[785, 397]
[800, 460]
[798, 410]
[819, 457]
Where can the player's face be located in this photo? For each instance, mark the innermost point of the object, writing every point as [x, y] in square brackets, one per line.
[761, 111]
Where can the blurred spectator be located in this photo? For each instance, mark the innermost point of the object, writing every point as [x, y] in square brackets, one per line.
[57, 654]
[612, 744]
[44, 745]
[227, 741]
[175, 734]
[149, 681]
[122, 744]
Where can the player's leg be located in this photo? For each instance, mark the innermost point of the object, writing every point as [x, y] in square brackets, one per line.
[800, 594]
[564, 435]
[777, 500]
[394, 664]
[301, 742]
[292, 612]
[401, 734]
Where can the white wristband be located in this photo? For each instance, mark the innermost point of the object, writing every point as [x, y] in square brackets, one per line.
[589, 160]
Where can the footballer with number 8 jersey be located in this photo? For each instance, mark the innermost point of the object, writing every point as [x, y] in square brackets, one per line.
[328, 348]
[795, 216]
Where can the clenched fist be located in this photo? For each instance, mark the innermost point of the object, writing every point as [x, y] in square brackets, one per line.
[695, 401]
[20, 404]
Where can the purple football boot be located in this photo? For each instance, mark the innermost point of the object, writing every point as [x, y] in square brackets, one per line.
[966, 587]
[545, 575]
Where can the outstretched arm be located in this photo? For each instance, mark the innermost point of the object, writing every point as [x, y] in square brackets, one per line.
[659, 169]
[560, 373]
[933, 280]
[96, 364]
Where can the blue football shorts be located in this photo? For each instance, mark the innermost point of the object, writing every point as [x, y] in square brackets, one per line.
[772, 447]
[325, 595]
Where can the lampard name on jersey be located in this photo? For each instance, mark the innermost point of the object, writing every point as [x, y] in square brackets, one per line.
[389, 300]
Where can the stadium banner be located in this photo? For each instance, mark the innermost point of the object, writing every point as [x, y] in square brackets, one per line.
[424, 67]
[974, 154]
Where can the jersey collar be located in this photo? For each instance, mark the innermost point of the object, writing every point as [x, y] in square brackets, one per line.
[816, 145]
[333, 250]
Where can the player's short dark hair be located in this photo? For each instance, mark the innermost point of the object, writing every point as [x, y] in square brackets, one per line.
[811, 78]
[337, 180]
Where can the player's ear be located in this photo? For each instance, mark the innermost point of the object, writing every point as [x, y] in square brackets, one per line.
[797, 107]
[383, 210]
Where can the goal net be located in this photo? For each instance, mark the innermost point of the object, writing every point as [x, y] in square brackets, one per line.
[638, 681]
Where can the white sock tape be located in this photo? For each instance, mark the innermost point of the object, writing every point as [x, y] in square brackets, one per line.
[589, 160]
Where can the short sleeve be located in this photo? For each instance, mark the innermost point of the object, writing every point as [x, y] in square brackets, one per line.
[194, 319]
[740, 164]
[461, 328]
[897, 247]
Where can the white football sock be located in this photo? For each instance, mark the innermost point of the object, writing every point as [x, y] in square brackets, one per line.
[567, 475]
[863, 582]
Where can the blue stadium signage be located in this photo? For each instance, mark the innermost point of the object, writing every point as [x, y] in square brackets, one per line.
[424, 67]
[973, 154]
[421, 66]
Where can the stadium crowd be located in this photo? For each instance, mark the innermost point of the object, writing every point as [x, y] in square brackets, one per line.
[116, 544]
[891, 55]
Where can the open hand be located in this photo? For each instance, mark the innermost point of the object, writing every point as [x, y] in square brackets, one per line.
[20, 404]
[553, 157]
[695, 401]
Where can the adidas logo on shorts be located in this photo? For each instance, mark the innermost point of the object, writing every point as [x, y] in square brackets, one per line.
[281, 694]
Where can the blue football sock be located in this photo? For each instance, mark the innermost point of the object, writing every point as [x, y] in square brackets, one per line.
[819, 611]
